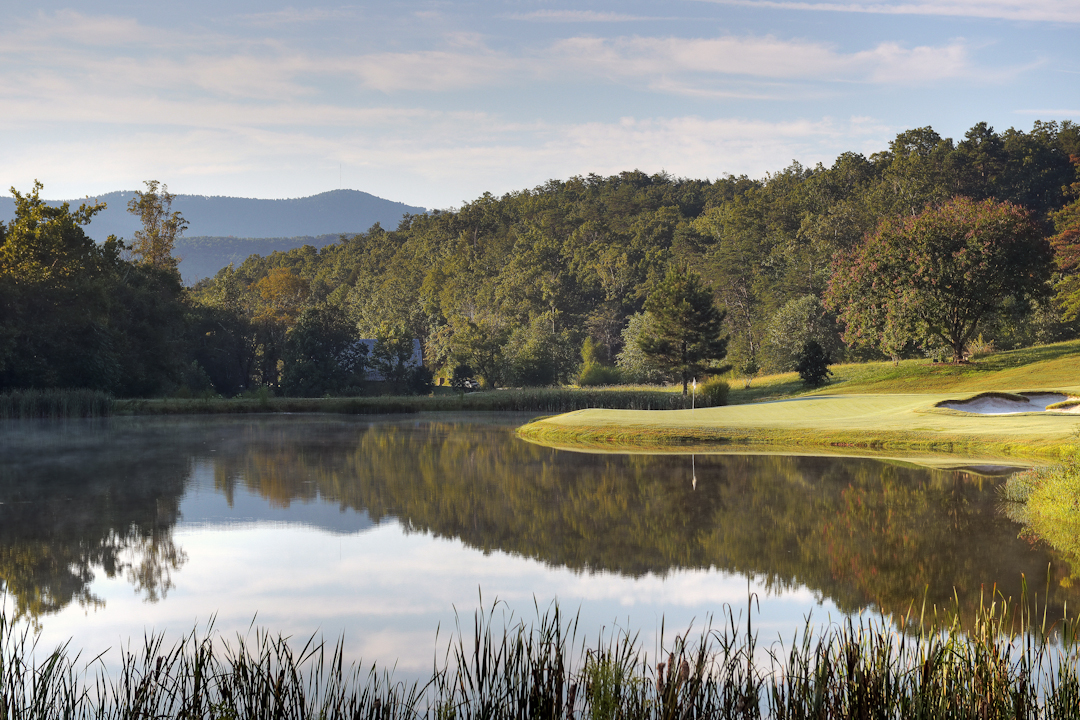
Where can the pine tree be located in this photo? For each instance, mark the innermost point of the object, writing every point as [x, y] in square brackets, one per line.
[685, 333]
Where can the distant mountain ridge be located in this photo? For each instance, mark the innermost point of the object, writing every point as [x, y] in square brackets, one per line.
[328, 213]
[250, 223]
[202, 257]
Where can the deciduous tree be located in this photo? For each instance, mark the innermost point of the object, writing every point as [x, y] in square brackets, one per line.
[153, 244]
[939, 274]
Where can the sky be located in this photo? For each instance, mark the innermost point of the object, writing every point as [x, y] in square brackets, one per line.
[434, 103]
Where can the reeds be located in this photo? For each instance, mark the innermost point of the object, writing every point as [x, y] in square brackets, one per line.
[1004, 664]
[536, 400]
[54, 404]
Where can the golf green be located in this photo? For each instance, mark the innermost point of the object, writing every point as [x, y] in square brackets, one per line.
[897, 421]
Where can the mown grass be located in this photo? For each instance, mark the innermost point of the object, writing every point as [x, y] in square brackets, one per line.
[1035, 368]
[896, 422]
[54, 404]
[1004, 663]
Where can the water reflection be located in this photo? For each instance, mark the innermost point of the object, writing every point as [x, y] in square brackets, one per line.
[89, 498]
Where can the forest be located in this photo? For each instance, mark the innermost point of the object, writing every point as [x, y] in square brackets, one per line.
[539, 285]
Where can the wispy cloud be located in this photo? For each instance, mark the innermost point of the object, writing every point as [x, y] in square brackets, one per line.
[658, 60]
[576, 16]
[1067, 11]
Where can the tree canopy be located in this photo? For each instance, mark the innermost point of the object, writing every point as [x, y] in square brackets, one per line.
[513, 286]
[939, 274]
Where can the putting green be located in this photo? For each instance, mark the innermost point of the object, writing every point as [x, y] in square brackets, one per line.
[896, 421]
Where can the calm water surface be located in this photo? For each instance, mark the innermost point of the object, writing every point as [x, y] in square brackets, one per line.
[378, 530]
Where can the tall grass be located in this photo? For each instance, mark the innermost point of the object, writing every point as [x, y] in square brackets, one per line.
[1005, 663]
[538, 400]
[54, 404]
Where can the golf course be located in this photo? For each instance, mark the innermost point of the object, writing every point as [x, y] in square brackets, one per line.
[868, 407]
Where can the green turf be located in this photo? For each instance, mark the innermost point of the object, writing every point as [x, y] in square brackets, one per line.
[881, 420]
[1045, 367]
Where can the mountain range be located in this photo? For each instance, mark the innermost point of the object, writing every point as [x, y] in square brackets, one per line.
[228, 229]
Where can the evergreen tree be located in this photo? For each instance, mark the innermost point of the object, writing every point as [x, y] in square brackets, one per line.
[684, 337]
[813, 364]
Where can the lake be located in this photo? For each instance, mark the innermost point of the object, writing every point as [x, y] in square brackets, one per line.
[380, 530]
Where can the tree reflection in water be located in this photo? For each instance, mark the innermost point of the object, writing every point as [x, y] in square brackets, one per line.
[860, 532]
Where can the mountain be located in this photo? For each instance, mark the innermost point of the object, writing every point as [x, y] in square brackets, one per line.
[223, 229]
[202, 257]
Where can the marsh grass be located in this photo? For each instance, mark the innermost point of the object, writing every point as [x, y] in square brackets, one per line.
[541, 400]
[1004, 663]
[1046, 500]
[54, 404]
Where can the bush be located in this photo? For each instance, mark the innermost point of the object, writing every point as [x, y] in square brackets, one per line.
[813, 364]
[419, 380]
[594, 374]
[714, 392]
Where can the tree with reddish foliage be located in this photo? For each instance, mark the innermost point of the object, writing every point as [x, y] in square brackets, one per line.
[938, 274]
[1066, 245]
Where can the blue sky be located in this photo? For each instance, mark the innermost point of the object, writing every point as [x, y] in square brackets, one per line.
[433, 103]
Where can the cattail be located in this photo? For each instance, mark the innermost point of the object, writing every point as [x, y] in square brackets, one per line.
[660, 678]
[684, 671]
[570, 697]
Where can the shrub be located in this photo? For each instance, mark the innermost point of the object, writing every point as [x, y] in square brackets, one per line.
[464, 378]
[596, 374]
[813, 364]
[714, 392]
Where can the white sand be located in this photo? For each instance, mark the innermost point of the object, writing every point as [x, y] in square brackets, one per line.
[1034, 402]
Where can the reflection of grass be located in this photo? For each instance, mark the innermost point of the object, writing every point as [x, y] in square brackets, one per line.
[1001, 665]
[1047, 501]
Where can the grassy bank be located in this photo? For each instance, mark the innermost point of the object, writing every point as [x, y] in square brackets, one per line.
[54, 404]
[1003, 665]
[1047, 501]
[878, 422]
[873, 406]
[538, 400]
[1035, 368]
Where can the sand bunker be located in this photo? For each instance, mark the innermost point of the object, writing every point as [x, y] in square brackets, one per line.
[999, 405]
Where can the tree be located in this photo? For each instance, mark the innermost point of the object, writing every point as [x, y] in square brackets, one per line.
[161, 226]
[1066, 244]
[685, 335]
[797, 323]
[322, 355]
[812, 364]
[939, 274]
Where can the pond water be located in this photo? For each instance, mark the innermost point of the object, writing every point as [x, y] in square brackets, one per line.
[379, 530]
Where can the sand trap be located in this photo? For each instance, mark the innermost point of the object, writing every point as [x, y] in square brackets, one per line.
[991, 405]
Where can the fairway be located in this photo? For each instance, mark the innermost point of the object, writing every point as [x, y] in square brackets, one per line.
[897, 421]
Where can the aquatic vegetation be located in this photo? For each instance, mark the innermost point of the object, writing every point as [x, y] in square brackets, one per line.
[1047, 501]
[1002, 664]
[55, 404]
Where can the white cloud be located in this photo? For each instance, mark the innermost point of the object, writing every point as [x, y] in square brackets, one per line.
[430, 159]
[1067, 11]
[659, 59]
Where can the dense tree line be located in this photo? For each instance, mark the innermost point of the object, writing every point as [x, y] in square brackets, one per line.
[517, 286]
